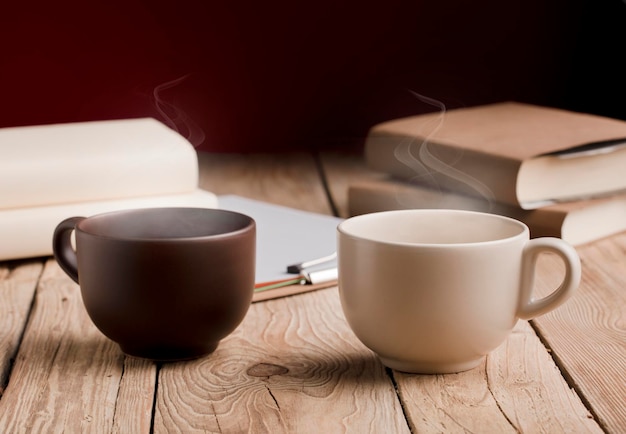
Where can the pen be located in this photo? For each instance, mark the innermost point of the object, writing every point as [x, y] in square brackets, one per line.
[298, 268]
[321, 276]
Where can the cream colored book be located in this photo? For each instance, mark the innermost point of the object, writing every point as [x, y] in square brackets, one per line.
[577, 222]
[27, 232]
[520, 154]
[92, 161]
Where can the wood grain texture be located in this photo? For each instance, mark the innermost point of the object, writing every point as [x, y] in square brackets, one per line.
[292, 366]
[18, 281]
[517, 389]
[135, 398]
[283, 179]
[587, 335]
[530, 389]
[67, 375]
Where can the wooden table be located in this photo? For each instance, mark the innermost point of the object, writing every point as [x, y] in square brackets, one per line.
[294, 365]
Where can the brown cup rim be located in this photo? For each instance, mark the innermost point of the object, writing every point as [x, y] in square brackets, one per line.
[247, 225]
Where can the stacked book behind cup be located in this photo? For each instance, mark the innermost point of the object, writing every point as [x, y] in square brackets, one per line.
[560, 172]
[51, 172]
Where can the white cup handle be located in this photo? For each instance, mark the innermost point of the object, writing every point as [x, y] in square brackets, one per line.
[529, 308]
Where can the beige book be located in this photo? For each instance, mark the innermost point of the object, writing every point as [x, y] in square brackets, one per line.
[27, 232]
[576, 222]
[515, 153]
[91, 161]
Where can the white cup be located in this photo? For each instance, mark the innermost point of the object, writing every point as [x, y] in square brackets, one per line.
[434, 291]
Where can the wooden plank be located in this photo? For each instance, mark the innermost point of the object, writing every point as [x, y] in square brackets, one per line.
[67, 376]
[292, 366]
[517, 389]
[284, 179]
[135, 398]
[587, 335]
[18, 281]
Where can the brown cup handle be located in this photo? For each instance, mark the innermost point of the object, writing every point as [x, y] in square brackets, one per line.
[62, 246]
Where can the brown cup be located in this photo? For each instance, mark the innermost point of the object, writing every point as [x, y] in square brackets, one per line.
[164, 283]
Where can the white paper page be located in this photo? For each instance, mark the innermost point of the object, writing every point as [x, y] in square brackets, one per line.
[285, 236]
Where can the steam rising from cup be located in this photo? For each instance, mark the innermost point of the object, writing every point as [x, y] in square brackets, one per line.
[427, 163]
[174, 117]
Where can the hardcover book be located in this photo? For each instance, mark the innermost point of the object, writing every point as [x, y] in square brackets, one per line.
[27, 232]
[88, 161]
[524, 155]
[52, 172]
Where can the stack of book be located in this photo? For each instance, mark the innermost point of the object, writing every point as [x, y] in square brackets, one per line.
[52, 172]
[560, 172]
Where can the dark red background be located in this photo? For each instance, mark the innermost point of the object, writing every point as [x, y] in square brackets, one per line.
[250, 76]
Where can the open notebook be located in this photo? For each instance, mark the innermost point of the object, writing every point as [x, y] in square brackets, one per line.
[286, 236]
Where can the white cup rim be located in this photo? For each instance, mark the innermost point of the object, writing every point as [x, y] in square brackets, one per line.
[518, 230]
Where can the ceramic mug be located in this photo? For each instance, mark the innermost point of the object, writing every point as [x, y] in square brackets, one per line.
[164, 283]
[434, 291]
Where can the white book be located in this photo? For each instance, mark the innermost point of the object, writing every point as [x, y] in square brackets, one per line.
[27, 232]
[91, 161]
